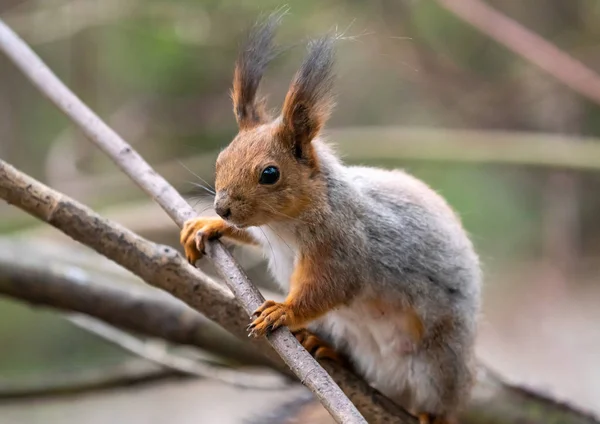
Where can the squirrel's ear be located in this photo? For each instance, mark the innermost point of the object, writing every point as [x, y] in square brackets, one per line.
[309, 101]
[254, 56]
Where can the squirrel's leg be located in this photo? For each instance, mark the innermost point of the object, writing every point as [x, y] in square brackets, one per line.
[424, 419]
[430, 419]
[197, 231]
[313, 293]
[316, 346]
[444, 372]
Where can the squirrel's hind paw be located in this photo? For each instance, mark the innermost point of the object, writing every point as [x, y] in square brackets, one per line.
[317, 347]
[431, 419]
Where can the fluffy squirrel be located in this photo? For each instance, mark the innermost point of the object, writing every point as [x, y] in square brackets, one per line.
[376, 266]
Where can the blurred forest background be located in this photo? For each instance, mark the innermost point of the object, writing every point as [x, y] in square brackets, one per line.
[513, 149]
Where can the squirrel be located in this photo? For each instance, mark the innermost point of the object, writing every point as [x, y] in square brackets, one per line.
[377, 266]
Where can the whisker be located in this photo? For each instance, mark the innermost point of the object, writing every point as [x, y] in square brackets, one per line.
[284, 215]
[281, 238]
[200, 195]
[269, 243]
[198, 200]
[208, 190]
[205, 209]
[197, 176]
[196, 203]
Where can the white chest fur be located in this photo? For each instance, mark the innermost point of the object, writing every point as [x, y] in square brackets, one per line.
[377, 345]
[280, 249]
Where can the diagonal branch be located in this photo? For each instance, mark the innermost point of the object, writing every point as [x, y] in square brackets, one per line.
[530, 46]
[157, 352]
[297, 358]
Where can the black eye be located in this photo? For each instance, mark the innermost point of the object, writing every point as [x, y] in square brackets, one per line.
[270, 175]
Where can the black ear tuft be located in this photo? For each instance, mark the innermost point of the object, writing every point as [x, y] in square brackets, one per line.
[309, 100]
[255, 54]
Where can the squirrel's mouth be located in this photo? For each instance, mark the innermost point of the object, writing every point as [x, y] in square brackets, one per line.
[243, 221]
[237, 224]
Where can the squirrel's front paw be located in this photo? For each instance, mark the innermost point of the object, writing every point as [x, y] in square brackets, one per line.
[196, 232]
[317, 347]
[270, 315]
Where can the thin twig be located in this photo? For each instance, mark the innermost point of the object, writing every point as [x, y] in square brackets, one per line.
[296, 357]
[83, 380]
[157, 351]
[550, 151]
[530, 46]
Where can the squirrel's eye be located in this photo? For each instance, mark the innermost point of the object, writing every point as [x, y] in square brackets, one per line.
[270, 175]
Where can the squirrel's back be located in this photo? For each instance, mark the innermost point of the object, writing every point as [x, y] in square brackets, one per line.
[406, 230]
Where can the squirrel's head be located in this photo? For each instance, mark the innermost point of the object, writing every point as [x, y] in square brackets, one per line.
[270, 171]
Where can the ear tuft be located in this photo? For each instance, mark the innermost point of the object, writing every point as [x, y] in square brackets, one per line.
[255, 54]
[309, 101]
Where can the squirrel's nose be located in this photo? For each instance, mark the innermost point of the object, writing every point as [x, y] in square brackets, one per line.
[223, 211]
[222, 205]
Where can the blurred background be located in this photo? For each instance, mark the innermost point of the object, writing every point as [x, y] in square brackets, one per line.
[512, 148]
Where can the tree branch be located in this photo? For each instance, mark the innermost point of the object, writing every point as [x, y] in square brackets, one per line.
[125, 374]
[494, 402]
[528, 45]
[470, 146]
[297, 358]
[157, 351]
[26, 275]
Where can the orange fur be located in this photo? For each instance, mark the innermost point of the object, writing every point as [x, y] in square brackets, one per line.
[238, 171]
[410, 320]
[312, 294]
[429, 419]
[297, 111]
[249, 112]
[197, 231]
[414, 325]
[309, 100]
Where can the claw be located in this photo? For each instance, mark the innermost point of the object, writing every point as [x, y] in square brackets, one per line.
[194, 234]
[318, 348]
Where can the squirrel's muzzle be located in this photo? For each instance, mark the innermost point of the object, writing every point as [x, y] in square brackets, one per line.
[222, 207]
